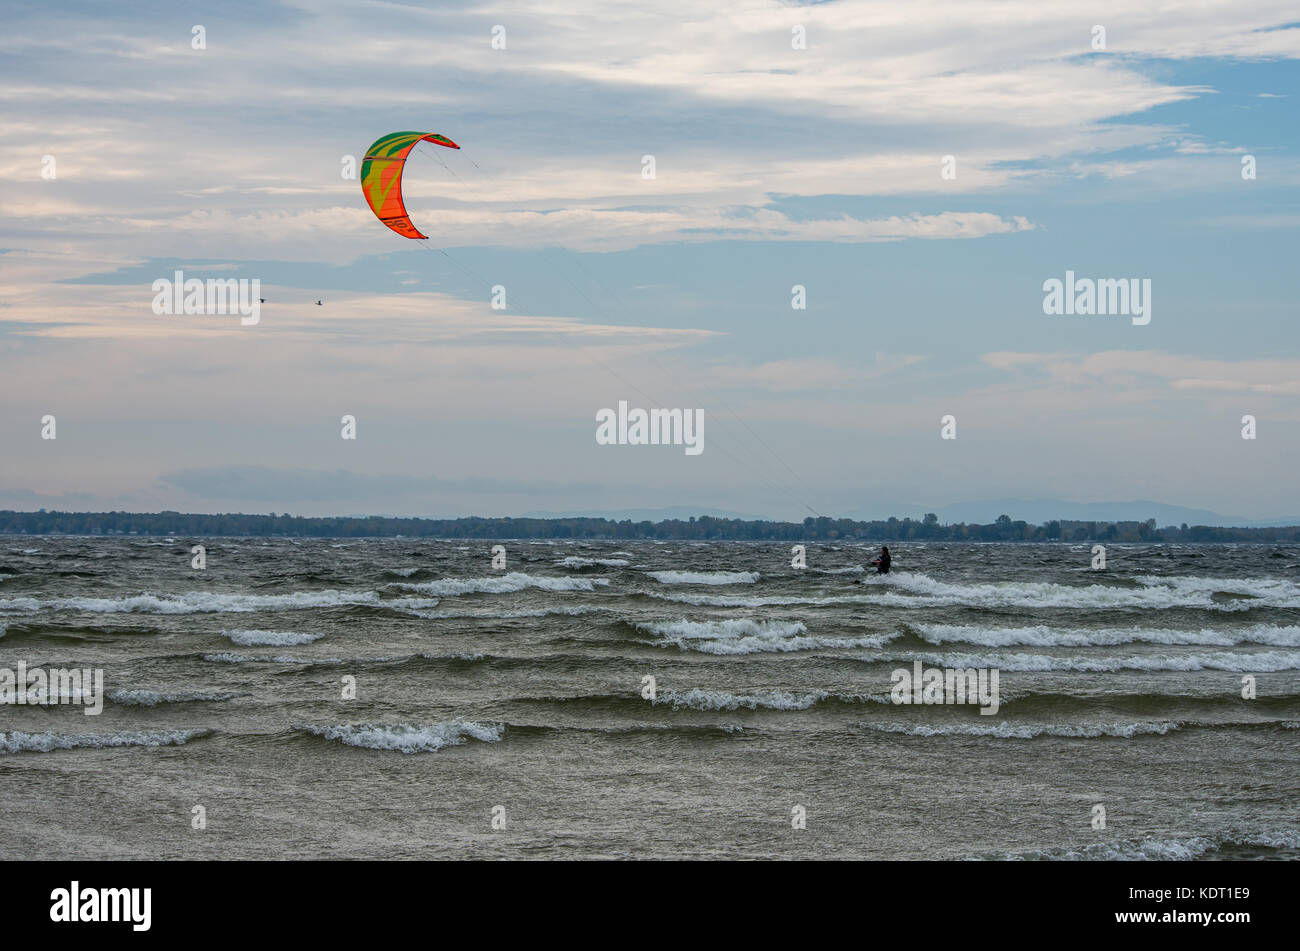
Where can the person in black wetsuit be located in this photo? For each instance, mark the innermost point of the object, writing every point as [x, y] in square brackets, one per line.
[882, 563]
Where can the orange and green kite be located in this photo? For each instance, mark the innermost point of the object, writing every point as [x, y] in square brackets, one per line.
[381, 177]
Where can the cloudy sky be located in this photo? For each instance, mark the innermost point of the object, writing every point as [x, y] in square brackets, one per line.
[774, 166]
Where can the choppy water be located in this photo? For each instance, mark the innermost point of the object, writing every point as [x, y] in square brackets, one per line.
[521, 688]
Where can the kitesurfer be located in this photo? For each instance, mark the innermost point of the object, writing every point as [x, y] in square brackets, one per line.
[882, 563]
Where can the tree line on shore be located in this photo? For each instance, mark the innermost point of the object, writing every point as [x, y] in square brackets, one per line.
[704, 528]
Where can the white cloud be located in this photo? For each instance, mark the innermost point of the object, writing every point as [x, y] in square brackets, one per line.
[1150, 367]
[240, 144]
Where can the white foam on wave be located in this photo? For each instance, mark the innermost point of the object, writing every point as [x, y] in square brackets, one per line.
[410, 604]
[574, 611]
[229, 658]
[197, 602]
[1152, 849]
[733, 636]
[270, 638]
[407, 738]
[728, 627]
[17, 742]
[20, 605]
[1154, 593]
[756, 601]
[1027, 731]
[151, 698]
[773, 699]
[505, 584]
[704, 577]
[44, 696]
[226, 657]
[1265, 662]
[766, 645]
[413, 607]
[1279, 591]
[575, 561]
[1046, 636]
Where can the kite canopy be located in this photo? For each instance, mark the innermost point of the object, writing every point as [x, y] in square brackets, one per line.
[381, 177]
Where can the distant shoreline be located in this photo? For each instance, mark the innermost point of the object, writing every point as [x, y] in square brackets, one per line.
[704, 528]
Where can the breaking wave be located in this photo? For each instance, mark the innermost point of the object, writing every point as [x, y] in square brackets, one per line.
[16, 742]
[697, 699]
[197, 602]
[1152, 849]
[406, 738]
[575, 561]
[1266, 662]
[704, 577]
[270, 638]
[515, 581]
[225, 657]
[151, 698]
[1152, 592]
[1045, 636]
[1027, 731]
[574, 611]
[748, 636]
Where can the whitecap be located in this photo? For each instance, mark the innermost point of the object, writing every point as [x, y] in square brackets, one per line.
[407, 738]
